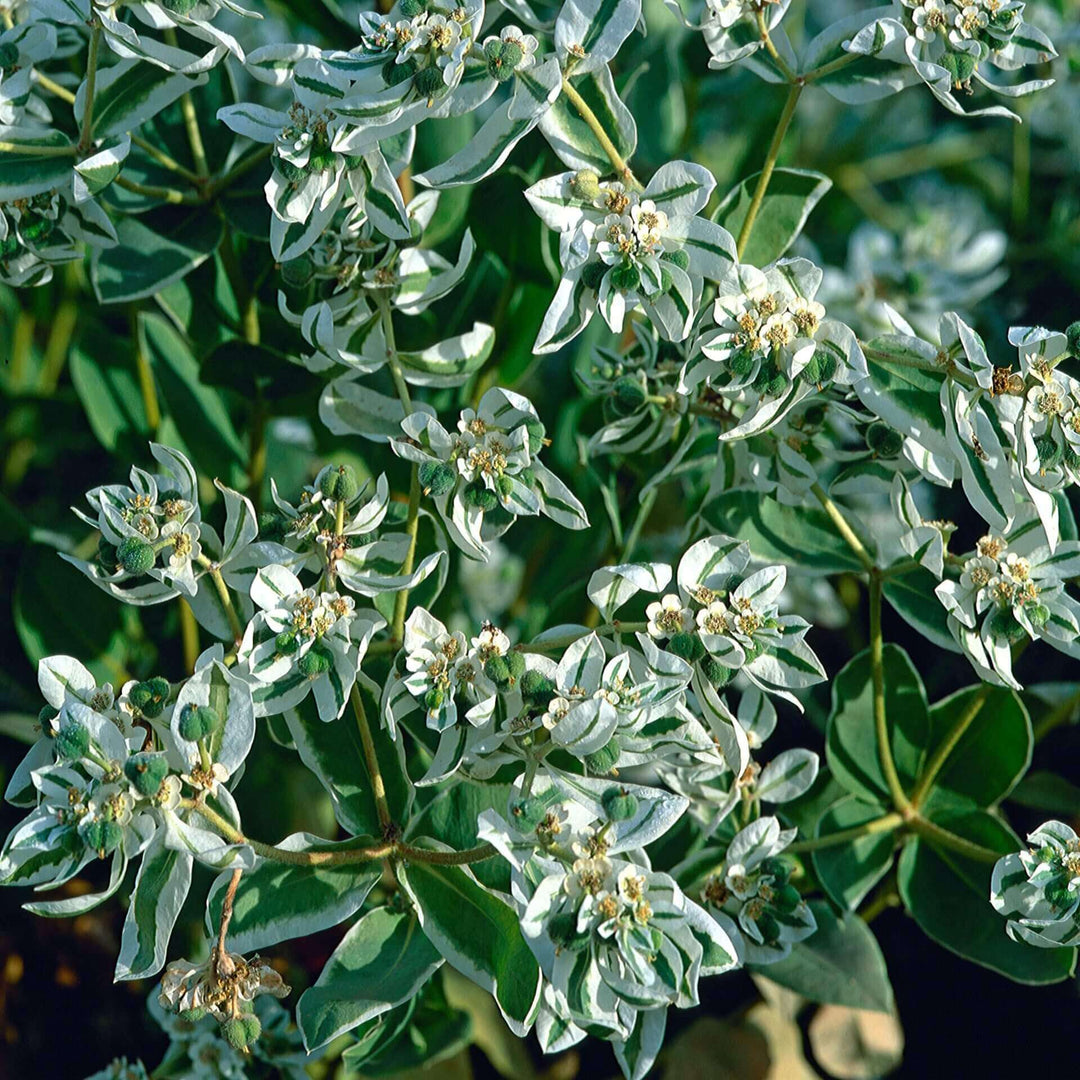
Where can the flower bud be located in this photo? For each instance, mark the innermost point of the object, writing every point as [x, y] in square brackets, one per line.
[629, 394]
[536, 687]
[241, 1031]
[1050, 452]
[37, 230]
[585, 184]
[429, 82]
[146, 772]
[687, 646]
[886, 442]
[321, 159]
[602, 761]
[72, 740]
[436, 478]
[193, 1016]
[315, 662]
[434, 699]
[197, 722]
[395, 73]
[740, 363]
[821, 369]
[135, 555]
[480, 497]
[46, 714]
[296, 273]
[776, 868]
[1038, 615]
[498, 671]
[504, 485]
[339, 483]
[619, 804]
[1005, 626]
[1072, 336]
[717, 673]
[512, 55]
[769, 927]
[528, 477]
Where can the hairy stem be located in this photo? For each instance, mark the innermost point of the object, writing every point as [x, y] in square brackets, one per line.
[948, 745]
[770, 163]
[618, 162]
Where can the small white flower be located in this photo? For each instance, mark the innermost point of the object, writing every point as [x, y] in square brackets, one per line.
[668, 616]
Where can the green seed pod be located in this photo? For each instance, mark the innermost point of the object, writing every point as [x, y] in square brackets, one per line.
[740, 363]
[72, 740]
[515, 664]
[234, 1032]
[286, 643]
[433, 699]
[296, 273]
[135, 555]
[498, 671]
[602, 761]
[499, 67]
[339, 483]
[252, 1028]
[483, 499]
[493, 49]
[536, 687]
[814, 416]
[321, 159]
[46, 714]
[786, 899]
[9, 55]
[769, 927]
[395, 73]
[140, 694]
[193, 1016]
[1050, 451]
[1038, 615]
[960, 66]
[527, 477]
[776, 868]
[821, 369]
[159, 694]
[512, 55]
[1070, 456]
[146, 772]
[197, 722]
[429, 82]
[436, 478]
[593, 275]
[678, 258]
[292, 174]
[104, 837]
[314, 662]
[505, 486]
[1004, 625]
[619, 804]
[626, 277]
[1072, 336]
[411, 8]
[537, 434]
[71, 843]
[528, 813]
[629, 395]
[106, 553]
[686, 646]
[585, 185]
[717, 673]
[886, 442]
[563, 931]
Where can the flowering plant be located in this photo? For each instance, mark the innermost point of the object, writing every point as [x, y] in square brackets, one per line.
[582, 660]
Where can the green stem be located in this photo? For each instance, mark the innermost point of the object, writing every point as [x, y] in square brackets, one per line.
[794, 93]
[191, 123]
[948, 744]
[887, 823]
[170, 195]
[781, 64]
[165, 160]
[900, 360]
[1060, 714]
[881, 726]
[943, 838]
[223, 596]
[371, 758]
[843, 528]
[145, 374]
[618, 162]
[833, 65]
[53, 87]
[644, 510]
[189, 634]
[241, 168]
[87, 133]
[32, 150]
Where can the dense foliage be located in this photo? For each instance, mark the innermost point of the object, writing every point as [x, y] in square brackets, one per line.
[466, 487]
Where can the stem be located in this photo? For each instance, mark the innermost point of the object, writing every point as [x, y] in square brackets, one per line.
[782, 65]
[33, 150]
[242, 168]
[86, 135]
[166, 194]
[843, 528]
[165, 160]
[223, 596]
[886, 824]
[52, 87]
[145, 374]
[445, 858]
[617, 160]
[770, 163]
[948, 744]
[881, 727]
[1060, 714]
[899, 360]
[371, 759]
[940, 837]
[191, 123]
[59, 343]
[189, 634]
[227, 910]
[644, 510]
[387, 319]
[833, 65]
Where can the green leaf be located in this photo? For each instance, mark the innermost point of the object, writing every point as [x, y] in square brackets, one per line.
[382, 961]
[279, 901]
[1046, 791]
[24, 173]
[792, 194]
[145, 261]
[573, 140]
[478, 934]
[851, 744]
[994, 751]
[908, 596]
[334, 753]
[798, 537]
[250, 369]
[841, 964]
[131, 92]
[948, 894]
[849, 871]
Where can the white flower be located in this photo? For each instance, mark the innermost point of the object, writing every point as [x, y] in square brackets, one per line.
[668, 617]
[933, 18]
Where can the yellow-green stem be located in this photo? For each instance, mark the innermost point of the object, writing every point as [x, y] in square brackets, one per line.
[943, 838]
[37, 151]
[224, 596]
[843, 528]
[53, 87]
[189, 634]
[166, 161]
[618, 162]
[165, 194]
[145, 373]
[887, 823]
[782, 125]
[881, 725]
[948, 744]
[86, 134]
[371, 758]
[781, 64]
